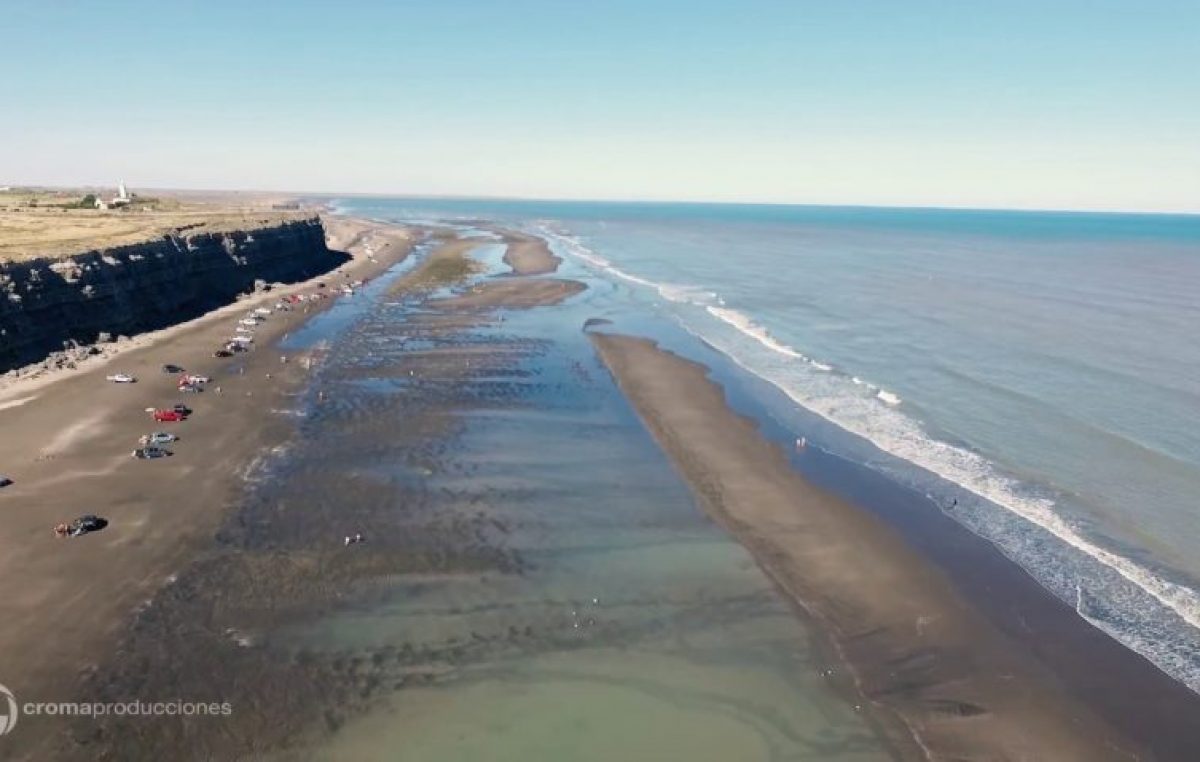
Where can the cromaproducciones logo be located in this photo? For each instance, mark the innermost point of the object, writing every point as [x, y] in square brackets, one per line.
[8, 711]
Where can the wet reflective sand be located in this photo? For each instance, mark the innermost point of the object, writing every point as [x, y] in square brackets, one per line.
[535, 581]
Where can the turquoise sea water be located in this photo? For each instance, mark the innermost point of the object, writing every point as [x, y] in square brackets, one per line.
[1038, 373]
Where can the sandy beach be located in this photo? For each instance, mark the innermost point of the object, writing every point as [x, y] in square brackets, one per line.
[225, 572]
[72, 436]
[67, 442]
[527, 254]
[641, 382]
[944, 681]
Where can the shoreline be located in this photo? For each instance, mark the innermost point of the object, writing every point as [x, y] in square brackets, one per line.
[66, 446]
[932, 628]
[921, 653]
[528, 254]
[259, 569]
[342, 234]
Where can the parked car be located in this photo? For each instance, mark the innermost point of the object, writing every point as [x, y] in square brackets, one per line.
[190, 389]
[151, 453]
[182, 409]
[193, 379]
[83, 525]
[157, 438]
[171, 369]
[168, 416]
[5, 481]
[121, 378]
[222, 353]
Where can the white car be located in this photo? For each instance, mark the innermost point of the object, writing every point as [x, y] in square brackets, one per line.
[248, 322]
[190, 379]
[122, 378]
[158, 438]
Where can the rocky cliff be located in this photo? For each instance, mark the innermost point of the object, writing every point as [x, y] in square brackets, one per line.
[46, 303]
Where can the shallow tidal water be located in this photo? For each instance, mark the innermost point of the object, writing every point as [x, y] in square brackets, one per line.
[1038, 372]
[618, 621]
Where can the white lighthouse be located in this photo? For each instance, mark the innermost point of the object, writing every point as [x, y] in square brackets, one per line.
[122, 198]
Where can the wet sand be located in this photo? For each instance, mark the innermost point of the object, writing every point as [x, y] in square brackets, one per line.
[204, 605]
[489, 469]
[66, 442]
[513, 294]
[934, 670]
[484, 463]
[528, 255]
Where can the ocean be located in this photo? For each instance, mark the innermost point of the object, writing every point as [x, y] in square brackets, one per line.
[1036, 373]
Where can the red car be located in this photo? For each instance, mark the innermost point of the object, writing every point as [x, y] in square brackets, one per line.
[164, 416]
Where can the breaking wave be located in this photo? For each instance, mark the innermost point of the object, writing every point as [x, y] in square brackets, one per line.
[1150, 614]
[757, 332]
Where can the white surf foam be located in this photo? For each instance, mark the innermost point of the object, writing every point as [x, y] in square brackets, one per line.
[877, 420]
[901, 436]
[672, 292]
[888, 397]
[754, 331]
[872, 413]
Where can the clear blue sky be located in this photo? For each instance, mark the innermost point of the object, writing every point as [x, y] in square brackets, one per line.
[1010, 103]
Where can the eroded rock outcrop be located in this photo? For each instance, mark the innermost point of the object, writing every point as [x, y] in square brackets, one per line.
[48, 303]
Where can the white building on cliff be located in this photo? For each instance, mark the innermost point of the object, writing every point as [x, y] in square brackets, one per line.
[121, 199]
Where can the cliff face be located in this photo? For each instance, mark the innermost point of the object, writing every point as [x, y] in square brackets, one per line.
[141, 287]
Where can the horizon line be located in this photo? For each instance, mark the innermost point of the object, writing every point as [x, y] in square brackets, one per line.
[611, 200]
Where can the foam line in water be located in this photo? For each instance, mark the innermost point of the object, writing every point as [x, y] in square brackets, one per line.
[669, 291]
[754, 331]
[896, 434]
[872, 413]
[903, 437]
[888, 397]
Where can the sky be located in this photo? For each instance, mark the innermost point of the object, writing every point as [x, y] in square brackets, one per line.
[1057, 104]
